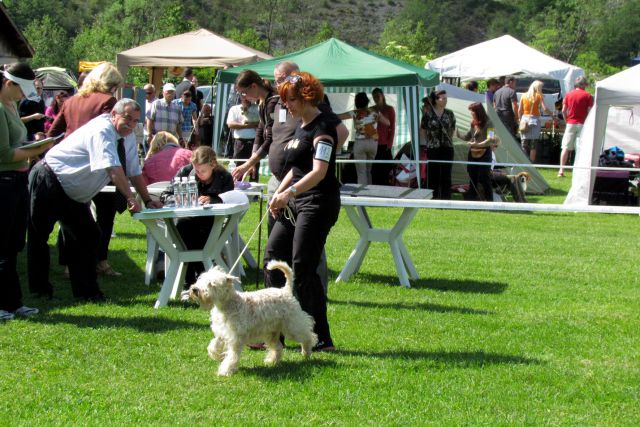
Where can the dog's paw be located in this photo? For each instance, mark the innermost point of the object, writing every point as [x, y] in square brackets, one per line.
[184, 296]
[225, 372]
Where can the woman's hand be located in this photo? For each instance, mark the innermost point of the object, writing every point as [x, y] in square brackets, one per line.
[239, 172]
[204, 200]
[279, 201]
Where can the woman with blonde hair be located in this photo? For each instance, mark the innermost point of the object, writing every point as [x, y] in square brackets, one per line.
[529, 111]
[165, 158]
[94, 98]
[212, 180]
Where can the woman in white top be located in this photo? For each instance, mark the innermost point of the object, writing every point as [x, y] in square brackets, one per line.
[366, 139]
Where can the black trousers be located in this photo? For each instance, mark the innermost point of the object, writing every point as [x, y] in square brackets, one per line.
[380, 171]
[13, 228]
[480, 177]
[194, 232]
[49, 203]
[242, 149]
[301, 245]
[439, 174]
[105, 216]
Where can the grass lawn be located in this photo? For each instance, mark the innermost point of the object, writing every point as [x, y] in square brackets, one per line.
[517, 319]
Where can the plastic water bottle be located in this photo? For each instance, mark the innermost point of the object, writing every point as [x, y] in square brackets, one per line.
[232, 166]
[177, 195]
[184, 191]
[193, 191]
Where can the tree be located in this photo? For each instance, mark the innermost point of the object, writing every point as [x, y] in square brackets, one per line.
[406, 41]
[324, 33]
[50, 44]
[248, 37]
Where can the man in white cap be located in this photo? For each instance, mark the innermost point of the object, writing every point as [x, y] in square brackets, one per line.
[165, 115]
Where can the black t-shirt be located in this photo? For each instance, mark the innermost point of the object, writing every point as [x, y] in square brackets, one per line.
[298, 154]
[28, 108]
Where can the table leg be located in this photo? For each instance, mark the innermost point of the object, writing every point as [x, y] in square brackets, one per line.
[396, 235]
[361, 222]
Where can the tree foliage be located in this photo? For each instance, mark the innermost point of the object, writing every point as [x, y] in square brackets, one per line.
[601, 34]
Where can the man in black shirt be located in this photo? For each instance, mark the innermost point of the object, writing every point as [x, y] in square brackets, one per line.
[32, 113]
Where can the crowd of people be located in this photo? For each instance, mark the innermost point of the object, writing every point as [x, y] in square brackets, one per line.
[291, 122]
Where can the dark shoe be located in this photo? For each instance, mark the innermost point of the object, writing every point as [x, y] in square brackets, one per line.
[46, 295]
[323, 346]
[97, 298]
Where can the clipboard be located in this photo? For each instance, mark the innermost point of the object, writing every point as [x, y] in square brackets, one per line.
[35, 144]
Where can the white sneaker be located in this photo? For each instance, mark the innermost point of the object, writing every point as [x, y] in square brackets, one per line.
[6, 315]
[26, 311]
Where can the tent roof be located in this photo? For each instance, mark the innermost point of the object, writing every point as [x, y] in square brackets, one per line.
[337, 63]
[620, 89]
[504, 56]
[56, 78]
[200, 48]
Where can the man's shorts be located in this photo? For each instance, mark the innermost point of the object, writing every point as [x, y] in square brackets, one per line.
[570, 137]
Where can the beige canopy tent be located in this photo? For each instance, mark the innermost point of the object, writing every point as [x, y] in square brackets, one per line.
[200, 48]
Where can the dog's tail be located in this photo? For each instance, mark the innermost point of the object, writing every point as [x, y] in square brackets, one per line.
[286, 270]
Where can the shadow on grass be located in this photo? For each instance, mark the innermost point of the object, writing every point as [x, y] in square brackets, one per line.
[298, 370]
[437, 308]
[148, 324]
[448, 358]
[465, 286]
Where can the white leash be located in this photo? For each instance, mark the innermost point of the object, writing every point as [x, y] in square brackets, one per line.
[249, 241]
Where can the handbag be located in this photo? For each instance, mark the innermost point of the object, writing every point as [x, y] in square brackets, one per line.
[524, 125]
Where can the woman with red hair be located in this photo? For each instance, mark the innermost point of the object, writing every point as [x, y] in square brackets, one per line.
[480, 143]
[307, 202]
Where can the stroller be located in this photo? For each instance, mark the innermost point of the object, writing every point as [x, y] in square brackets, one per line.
[404, 174]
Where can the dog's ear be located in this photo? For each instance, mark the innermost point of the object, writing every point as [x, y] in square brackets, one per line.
[231, 279]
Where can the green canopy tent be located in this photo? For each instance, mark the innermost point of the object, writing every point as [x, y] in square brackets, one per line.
[343, 68]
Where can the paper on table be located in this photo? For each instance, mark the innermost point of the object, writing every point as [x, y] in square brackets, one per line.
[234, 197]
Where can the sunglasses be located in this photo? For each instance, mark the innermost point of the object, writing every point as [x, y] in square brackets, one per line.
[293, 79]
[149, 93]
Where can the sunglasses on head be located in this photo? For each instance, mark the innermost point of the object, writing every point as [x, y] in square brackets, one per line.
[292, 79]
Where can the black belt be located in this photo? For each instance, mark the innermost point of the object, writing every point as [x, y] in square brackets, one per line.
[245, 139]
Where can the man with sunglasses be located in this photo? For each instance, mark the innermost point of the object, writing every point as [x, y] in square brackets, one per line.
[62, 186]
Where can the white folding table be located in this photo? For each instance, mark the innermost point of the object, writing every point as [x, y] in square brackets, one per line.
[166, 234]
[356, 199]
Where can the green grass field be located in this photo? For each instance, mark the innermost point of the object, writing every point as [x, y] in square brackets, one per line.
[517, 319]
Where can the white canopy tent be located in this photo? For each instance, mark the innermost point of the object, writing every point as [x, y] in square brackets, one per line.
[504, 56]
[614, 121]
[200, 48]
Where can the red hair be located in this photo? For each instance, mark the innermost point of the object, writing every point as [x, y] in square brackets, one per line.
[303, 85]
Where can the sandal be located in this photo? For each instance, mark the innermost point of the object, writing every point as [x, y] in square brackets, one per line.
[6, 315]
[560, 175]
[26, 311]
[107, 270]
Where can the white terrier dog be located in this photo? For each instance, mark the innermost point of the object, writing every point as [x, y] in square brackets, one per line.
[241, 318]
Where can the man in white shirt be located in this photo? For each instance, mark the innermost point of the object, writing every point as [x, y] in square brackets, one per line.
[62, 186]
[243, 120]
[149, 98]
